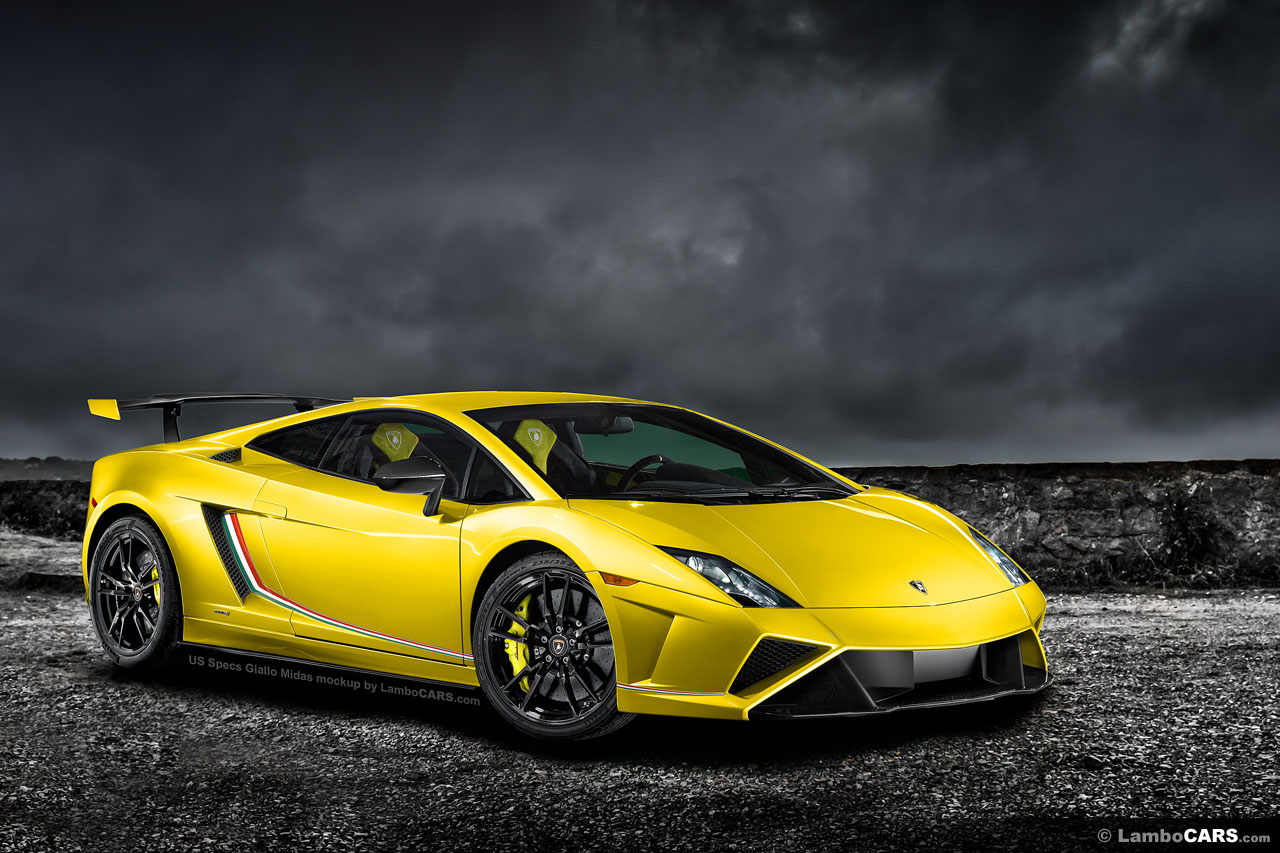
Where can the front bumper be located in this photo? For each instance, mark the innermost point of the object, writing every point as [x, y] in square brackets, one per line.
[856, 682]
[692, 657]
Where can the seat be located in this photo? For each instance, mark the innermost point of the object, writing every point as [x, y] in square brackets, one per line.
[388, 443]
[564, 469]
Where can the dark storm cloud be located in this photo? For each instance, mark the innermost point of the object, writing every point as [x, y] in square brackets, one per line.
[998, 65]
[877, 231]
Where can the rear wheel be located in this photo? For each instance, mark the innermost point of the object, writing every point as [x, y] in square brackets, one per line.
[544, 652]
[134, 596]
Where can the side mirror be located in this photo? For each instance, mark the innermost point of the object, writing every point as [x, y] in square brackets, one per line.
[417, 475]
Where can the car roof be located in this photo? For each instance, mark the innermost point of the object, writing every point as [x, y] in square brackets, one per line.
[466, 401]
[451, 405]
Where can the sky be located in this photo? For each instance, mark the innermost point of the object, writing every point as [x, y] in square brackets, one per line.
[877, 232]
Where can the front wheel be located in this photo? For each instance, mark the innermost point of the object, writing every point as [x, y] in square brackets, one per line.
[544, 653]
[134, 596]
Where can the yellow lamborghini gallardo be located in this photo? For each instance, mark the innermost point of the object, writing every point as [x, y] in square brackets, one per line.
[579, 559]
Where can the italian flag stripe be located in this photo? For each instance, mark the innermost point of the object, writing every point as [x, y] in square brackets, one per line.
[641, 689]
[231, 524]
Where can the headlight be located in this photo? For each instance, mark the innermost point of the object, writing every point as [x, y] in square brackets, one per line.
[1011, 570]
[738, 583]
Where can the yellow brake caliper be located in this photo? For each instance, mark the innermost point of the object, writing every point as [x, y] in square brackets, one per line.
[518, 653]
[155, 576]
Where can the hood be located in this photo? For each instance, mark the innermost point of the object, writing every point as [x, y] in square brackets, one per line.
[862, 551]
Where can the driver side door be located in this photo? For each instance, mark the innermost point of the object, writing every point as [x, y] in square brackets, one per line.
[364, 566]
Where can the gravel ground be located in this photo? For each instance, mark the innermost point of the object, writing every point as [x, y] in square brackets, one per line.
[1164, 707]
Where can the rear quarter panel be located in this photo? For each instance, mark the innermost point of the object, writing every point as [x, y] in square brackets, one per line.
[169, 486]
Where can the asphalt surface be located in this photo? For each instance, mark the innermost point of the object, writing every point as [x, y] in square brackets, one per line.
[1164, 709]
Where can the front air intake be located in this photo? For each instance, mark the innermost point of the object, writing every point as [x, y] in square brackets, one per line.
[874, 681]
[770, 656]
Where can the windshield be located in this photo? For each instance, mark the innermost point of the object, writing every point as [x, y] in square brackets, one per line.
[639, 451]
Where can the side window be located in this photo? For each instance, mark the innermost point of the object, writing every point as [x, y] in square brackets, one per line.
[490, 484]
[369, 441]
[300, 444]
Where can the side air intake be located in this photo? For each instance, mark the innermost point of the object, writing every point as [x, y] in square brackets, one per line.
[770, 656]
[213, 518]
[232, 455]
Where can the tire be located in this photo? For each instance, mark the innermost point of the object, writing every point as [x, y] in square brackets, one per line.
[569, 686]
[134, 596]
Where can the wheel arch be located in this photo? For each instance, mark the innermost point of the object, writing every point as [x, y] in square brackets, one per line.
[111, 510]
[117, 510]
[500, 562]
[108, 517]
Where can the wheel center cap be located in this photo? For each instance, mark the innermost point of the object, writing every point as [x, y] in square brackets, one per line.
[137, 593]
[558, 645]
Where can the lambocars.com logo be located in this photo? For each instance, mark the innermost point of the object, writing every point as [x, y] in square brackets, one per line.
[1189, 835]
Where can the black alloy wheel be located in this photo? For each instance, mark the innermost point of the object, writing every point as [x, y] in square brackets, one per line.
[544, 652]
[134, 596]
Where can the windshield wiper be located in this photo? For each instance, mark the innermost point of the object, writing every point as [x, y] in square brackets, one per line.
[728, 493]
[818, 489]
[711, 495]
[718, 494]
[658, 493]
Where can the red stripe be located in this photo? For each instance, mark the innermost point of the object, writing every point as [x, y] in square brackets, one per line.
[244, 549]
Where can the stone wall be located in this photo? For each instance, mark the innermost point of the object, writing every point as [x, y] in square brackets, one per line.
[54, 508]
[1200, 525]
[1097, 525]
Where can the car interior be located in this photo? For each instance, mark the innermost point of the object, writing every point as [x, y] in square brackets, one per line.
[555, 448]
[365, 445]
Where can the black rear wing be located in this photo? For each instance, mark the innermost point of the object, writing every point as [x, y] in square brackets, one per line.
[172, 405]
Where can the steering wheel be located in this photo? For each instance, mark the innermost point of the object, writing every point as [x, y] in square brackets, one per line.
[637, 468]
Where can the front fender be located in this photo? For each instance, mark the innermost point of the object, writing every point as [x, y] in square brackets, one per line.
[670, 591]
